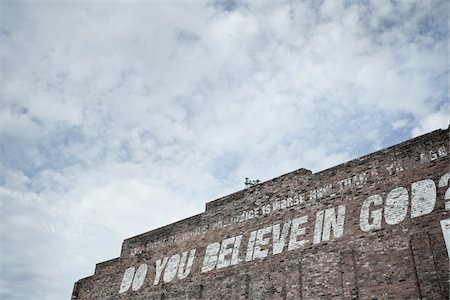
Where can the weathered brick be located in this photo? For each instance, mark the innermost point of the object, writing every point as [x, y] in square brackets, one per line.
[366, 229]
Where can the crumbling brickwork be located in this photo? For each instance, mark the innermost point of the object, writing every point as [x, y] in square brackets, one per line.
[366, 229]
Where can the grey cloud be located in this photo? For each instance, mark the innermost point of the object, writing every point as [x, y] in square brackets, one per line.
[185, 36]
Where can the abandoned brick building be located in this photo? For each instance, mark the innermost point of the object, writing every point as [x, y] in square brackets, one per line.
[372, 228]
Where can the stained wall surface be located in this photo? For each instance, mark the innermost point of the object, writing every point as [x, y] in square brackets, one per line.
[369, 228]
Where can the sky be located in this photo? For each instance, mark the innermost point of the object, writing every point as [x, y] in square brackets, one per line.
[118, 117]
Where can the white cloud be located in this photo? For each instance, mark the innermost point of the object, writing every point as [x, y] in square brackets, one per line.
[432, 122]
[116, 118]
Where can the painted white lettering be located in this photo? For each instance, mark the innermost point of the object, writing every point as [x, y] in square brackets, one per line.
[275, 205]
[333, 223]
[297, 231]
[235, 255]
[442, 152]
[139, 277]
[396, 206]
[318, 227]
[210, 260]
[279, 239]
[424, 158]
[267, 209]
[185, 268]
[289, 202]
[126, 280]
[250, 246]
[433, 155]
[443, 182]
[390, 169]
[423, 197]
[261, 241]
[375, 215]
[171, 268]
[159, 268]
[223, 261]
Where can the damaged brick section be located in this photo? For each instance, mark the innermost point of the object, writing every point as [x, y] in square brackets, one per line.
[371, 228]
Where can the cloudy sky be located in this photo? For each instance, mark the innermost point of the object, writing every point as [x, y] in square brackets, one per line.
[117, 117]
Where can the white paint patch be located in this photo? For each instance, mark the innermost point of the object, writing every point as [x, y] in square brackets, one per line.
[139, 277]
[396, 206]
[127, 280]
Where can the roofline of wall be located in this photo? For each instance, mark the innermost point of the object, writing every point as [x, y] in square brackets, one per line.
[237, 195]
[227, 198]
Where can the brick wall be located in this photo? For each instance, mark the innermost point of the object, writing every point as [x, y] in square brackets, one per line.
[369, 228]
